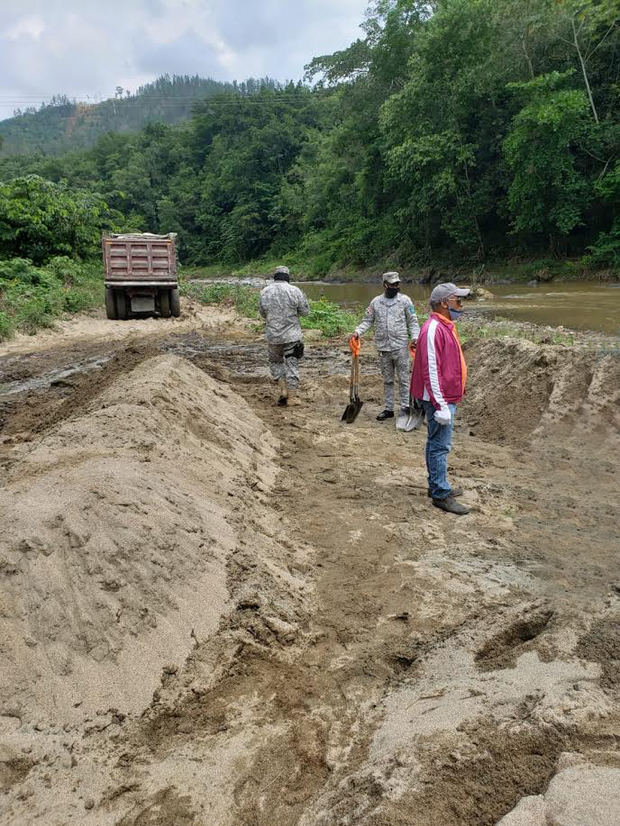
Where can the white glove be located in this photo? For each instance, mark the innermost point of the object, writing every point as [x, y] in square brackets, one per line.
[443, 416]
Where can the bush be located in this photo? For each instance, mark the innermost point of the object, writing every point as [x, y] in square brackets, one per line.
[6, 326]
[43, 219]
[243, 299]
[34, 297]
[606, 251]
[20, 271]
[37, 311]
[328, 318]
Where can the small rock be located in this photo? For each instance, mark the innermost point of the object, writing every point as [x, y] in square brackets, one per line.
[89, 803]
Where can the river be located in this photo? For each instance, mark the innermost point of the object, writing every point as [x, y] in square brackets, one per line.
[578, 306]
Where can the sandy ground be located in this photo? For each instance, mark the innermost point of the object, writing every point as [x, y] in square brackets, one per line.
[217, 611]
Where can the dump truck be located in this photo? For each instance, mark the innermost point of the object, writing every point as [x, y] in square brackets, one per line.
[140, 275]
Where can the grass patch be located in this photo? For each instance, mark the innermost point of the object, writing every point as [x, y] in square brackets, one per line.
[472, 331]
[32, 297]
[243, 299]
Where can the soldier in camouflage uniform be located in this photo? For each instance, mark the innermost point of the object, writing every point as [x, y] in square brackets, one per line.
[281, 304]
[395, 322]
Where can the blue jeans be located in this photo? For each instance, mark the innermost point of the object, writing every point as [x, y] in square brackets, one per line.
[438, 445]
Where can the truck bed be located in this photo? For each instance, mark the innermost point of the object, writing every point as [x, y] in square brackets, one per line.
[140, 259]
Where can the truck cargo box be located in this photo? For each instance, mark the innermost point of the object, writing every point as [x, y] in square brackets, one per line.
[140, 274]
[140, 258]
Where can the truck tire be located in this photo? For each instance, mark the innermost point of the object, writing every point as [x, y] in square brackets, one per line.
[175, 302]
[122, 310]
[164, 303]
[110, 304]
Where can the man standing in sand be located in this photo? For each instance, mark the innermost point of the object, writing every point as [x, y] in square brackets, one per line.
[395, 322]
[439, 376]
[281, 305]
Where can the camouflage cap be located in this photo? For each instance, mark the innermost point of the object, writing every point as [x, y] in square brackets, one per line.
[390, 278]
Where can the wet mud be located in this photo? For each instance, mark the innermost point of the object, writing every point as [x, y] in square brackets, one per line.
[218, 611]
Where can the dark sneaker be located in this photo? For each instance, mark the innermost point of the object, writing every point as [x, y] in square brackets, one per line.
[453, 492]
[385, 414]
[450, 505]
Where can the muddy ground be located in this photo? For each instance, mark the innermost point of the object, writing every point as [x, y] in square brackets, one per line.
[217, 611]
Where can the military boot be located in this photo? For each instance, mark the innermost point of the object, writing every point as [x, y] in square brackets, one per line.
[283, 391]
[293, 398]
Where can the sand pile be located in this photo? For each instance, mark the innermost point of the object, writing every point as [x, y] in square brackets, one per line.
[519, 389]
[121, 529]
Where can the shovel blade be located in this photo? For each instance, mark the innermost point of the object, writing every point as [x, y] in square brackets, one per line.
[351, 411]
[401, 421]
[414, 421]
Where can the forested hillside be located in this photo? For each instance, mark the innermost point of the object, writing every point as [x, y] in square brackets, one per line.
[62, 124]
[454, 131]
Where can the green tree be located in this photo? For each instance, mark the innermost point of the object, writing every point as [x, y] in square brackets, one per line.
[548, 193]
[40, 219]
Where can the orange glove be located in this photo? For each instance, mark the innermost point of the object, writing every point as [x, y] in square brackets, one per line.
[355, 344]
[412, 346]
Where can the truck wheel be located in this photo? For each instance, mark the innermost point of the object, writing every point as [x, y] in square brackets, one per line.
[110, 304]
[164, 303]
[175, 302]
[122, 311]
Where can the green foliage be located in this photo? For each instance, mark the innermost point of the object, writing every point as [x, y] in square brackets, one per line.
[329, 318]
[40, 219]
[7, 327]
[34, 297]
[20, 271]
[244, 299]
[548, 193]
[605, 252]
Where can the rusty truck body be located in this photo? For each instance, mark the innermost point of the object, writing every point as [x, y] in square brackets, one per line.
[140, 275]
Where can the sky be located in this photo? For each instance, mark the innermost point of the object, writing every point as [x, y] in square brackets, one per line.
[86, 48]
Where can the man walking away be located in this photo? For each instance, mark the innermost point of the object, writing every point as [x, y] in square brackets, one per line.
[281, 304]
[439, 377]
[395, 322]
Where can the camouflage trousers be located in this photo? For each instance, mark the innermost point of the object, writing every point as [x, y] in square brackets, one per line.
[283, 364]
[390, 361]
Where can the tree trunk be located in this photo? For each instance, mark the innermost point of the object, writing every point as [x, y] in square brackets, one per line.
[583, 69]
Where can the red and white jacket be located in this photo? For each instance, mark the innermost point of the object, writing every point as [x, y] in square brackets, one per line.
[439, 370]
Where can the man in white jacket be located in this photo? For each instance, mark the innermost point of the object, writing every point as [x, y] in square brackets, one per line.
[281, 304]
[395, 321]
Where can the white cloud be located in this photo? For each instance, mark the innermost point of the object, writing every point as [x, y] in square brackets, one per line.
[85, 48]
[31, 26]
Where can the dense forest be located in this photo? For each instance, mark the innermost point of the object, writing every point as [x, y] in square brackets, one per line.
[453, 131]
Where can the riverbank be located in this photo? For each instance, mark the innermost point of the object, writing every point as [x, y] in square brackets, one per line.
[541, 270]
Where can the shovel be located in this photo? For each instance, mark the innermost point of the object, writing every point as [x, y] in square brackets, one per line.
[355, 405]
[415, 416]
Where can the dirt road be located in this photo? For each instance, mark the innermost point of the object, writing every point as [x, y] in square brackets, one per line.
[216, 611]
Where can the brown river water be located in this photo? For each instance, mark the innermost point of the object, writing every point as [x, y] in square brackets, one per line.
[577, 306]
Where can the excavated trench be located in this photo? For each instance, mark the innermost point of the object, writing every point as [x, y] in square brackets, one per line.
[217, 611]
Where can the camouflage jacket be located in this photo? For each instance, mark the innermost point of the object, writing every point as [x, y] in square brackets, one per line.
[280, 305]
[395, 322]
